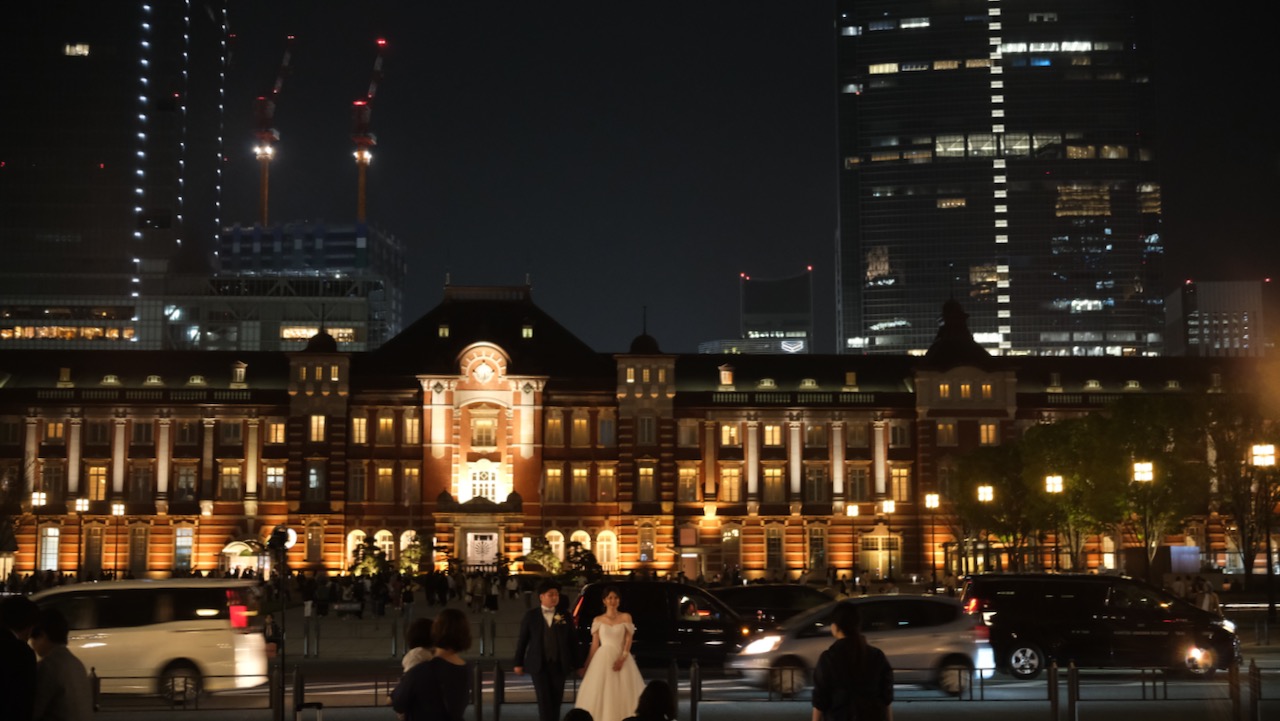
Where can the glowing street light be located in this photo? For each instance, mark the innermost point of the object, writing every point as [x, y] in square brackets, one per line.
[1264, 459]
[887, 507]
[1143, 472]
[1053, 486]
[986, 494]
[931, 501]
[117, 510]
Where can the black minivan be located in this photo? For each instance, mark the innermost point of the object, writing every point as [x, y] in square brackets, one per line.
[1095, 621]
[673, 621]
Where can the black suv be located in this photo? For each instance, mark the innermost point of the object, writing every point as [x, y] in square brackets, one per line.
[1095, 621]
[767, 605]
[673, 621]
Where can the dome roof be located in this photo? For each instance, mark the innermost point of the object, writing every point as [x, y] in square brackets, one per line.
[322, 342]
[645, 344]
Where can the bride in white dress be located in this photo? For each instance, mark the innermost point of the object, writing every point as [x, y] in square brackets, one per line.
[612, 683]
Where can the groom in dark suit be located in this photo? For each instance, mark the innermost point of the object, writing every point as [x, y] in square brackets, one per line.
[548, 650]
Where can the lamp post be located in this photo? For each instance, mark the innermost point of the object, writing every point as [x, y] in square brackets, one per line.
[1053, 486]
[986, 494]
[82, 507]
[38, 499]
[117, 510]
[887, 507]
[1264, 459]
[1144, 473]
[931, 502]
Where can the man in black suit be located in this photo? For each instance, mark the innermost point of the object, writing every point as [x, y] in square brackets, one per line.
[18, 617]
[548, 649]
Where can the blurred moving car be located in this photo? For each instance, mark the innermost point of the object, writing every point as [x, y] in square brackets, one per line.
[768, 605]
[1117, 621]
[929, 641]
[173, 637]
[673, 621]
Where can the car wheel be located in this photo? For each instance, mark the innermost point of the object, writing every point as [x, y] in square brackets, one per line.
[1196, 662]
[1024, 661]
[787, 676]
[180, 682]
[954, 675]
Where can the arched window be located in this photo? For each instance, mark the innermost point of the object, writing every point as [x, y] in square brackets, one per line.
[607, 551]
[582, 537]
[407, 539]
[386, 542]
[355, 539]
[556, 539]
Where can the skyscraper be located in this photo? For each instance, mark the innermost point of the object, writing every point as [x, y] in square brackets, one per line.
[998, 152]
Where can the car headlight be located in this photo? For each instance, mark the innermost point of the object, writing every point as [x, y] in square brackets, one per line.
[764, 644]
[1227, 624]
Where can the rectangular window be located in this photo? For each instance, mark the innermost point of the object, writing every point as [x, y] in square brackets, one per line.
[48, 553]
[817, 484]
[484, 433]
[817, 547]
[773, 560]
[97, 433]
[229, 432]
[386, 430]
[858, 483]
[900, 483]
[966, 391]
[356, 482]
[54, 432]
[687, 489]
[815, 435]
[554, 491]
[555, 432]
[729, 435]
[947, 435]
[412, 485]
[772, 434]
[608, 432]
[646, 431]
[334, 374]
[275, 432]
[730, 490]
[581, 432]
[384, 491]
[775, 488]
[229, 483]
[857, 435]
[53, 479]
[95, 477]
[646, 488]
[899, 435]
[359, 430]
[317, 429]
[986, 391]
[580, 490]
[944, 389]
[273, 486]
[140, 488]
[139, 535]
[607, 480]
[687, 433]
[183, 543]
[184, 484]
[989, 433]
[186, 433]
[412, 430]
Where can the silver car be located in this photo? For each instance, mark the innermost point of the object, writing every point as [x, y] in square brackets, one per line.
[929, 640]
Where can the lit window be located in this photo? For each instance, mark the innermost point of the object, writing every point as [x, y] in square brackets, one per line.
[317, 428]
[554, 490]
[76, 50]
[334, 375]
[772, 434]
[687, 485]
[607, 482]
[631, 375]
[730, 484]
[526, 331]
[989, 434]
[555, 432]
[966, 391]
[412, 430]
[386, 429]
[900, 483]
[947, 433]
[646, 491]
[944, 390]
[580, 487]
[54, 431]
[729, 435]
[443, 330]
[275, 432]
[360, 430]
[986, 391]
[580, 433]
[484, 432]
[775, 490]
[882, 69]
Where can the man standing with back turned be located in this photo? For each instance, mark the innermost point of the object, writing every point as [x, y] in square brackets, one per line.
[547, 648]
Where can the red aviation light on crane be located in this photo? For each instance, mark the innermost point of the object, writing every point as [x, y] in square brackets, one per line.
[382, 42]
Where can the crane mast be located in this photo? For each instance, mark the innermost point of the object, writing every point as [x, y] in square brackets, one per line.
[265, 133]
[362, 133]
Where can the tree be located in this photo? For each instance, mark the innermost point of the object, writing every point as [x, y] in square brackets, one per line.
[368, 559]
[1016, 512]
[580, 563]
[1245, 493]
[410, 559]
[541, 556]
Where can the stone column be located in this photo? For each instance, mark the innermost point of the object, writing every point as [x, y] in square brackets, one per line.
[879, 455]
[74, 451]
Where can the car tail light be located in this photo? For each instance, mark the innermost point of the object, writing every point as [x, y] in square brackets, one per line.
[971, 606]
[982, 632]
[577, 609]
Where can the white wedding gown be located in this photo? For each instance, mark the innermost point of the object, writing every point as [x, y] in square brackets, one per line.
[606, 694]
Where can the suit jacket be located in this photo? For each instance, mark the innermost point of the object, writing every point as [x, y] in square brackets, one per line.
[530, 645]
[18, 679]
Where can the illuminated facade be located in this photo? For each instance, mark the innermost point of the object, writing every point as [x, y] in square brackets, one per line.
[998, 152]
[486, 424]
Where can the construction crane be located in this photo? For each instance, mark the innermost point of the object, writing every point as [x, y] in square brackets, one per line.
[362, 134]
[264, 111]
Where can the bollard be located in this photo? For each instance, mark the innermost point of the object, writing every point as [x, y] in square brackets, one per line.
[695, 690]
[1053, 690]
[1233, 686]
[95, 688]
[673, 680]
[1255, 690]
[477, 691]
[317, 649]
[1073, 691]
[499, 690]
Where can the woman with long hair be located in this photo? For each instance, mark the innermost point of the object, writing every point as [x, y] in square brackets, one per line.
[438, 689]
[612, 683]
[852, 680]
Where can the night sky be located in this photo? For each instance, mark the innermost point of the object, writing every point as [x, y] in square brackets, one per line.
[633, 155]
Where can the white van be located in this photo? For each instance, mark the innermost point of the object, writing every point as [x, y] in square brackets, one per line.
[174, 637]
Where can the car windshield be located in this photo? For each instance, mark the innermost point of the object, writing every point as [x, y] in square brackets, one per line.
[818, 616]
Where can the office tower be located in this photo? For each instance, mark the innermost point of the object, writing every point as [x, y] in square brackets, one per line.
[775, 316]
[1218, 318]
[998, 152]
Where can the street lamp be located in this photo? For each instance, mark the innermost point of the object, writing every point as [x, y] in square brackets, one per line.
[931, 503]
[117, 510]
[38, 499]
[1264, 459]
[1144, 473]
[82, 507]
[887, 507]
[986, 494]
[1053, 486]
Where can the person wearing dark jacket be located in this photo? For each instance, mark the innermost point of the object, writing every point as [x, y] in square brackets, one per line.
[547, 649]
[852, 680]
[656, 703]
[438, 689]
[18, 617]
